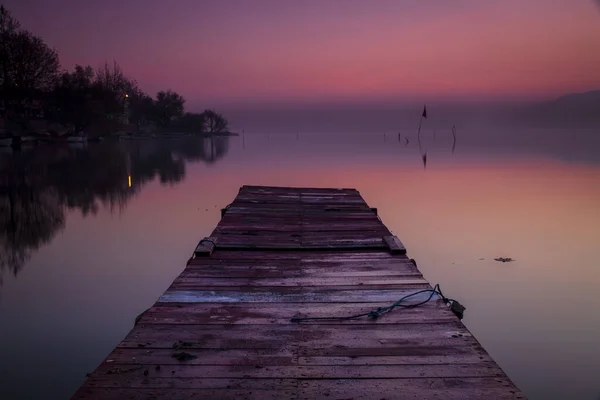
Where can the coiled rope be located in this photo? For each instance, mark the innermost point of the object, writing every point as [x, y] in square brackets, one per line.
[457, 308]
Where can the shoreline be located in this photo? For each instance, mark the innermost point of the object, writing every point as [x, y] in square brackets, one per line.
[6, 141]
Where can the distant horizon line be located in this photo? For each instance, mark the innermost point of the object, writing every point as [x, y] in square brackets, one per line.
[396, 101]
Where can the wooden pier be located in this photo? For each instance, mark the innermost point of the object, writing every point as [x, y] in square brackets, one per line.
[224, 329]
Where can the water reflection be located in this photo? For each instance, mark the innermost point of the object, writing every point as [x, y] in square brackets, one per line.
[498, 195]
[38, 186]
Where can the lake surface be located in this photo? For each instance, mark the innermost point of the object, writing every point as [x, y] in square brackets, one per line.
[92, 236]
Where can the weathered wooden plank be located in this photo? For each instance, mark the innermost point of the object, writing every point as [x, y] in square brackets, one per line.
[304, 190]
[261, 239]
[436, 388]
[335, 210]
[276, 198]
[286, 356]
[408, 283]
[333, 339]
[249, 229]
[182, 389]
[328, 241]
[291, 243]
[305, 226]
[316, 217]
[261, 206]
[335, 226]
[356, 346]
[233, 384]
[308, 257]
[451, 388]
[301, 202]
[363, 235]
[322, 259]
[332, 200]
[197, 272]
[322, 291]
[280, 313]
[454, 355]
[365, 255]
[155, 378]
[305, 295]
[164, 357]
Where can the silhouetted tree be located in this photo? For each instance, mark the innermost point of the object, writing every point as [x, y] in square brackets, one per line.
[8, 28]
[214, 122]
[28, 68]
[26, 62]
[32, 64]
[189, 122]
[113, 79]
[72, 101]
[116, 89]
[141, 108]
[85, 97]
[169, 105]
[8, 24]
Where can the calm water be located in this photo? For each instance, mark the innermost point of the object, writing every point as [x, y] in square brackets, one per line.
[91, 237]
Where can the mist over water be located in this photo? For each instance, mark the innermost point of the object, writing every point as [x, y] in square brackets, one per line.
[566, 129]
[570, 111]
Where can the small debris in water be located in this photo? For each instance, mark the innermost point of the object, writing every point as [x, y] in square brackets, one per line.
[504, 259]
[183, 356]
[481, 259]
[145, 372]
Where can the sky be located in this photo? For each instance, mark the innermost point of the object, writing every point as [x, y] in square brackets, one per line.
[321, 50]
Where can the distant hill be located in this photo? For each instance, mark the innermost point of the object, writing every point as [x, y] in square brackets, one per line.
[580, 98]
[574, 110]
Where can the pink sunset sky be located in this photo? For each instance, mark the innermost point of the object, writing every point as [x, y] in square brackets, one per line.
[286, 50]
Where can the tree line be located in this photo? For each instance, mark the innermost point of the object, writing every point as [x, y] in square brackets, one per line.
[34, 85]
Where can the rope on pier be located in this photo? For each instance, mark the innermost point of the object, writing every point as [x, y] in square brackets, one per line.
[457, 308]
